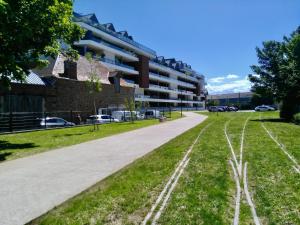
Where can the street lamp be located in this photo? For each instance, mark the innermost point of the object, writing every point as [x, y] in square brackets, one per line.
[181, 103]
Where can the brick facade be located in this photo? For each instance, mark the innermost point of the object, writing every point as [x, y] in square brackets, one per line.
[74, 95]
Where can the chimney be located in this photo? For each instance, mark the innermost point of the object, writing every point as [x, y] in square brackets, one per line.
[70, 69]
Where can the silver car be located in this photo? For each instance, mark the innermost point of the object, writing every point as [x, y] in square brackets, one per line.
[55, 122]
[263, 108]
[100, 119]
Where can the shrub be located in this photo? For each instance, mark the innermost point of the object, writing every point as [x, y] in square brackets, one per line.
[297, 118]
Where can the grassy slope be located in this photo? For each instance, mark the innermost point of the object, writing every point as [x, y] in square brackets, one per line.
[14, 146]
[286, 133]
[204, 194]
[125, 197]
[275, 185]
[206, 190]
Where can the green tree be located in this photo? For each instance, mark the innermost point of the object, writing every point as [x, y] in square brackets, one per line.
[278, 73]
[212, 102]
[32, 30]
[93, 83]
[130, 106]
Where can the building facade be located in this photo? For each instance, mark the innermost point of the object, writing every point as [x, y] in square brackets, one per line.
[242, 99]
[157, 81]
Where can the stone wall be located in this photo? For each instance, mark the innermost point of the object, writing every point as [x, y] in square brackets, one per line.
[74, 95]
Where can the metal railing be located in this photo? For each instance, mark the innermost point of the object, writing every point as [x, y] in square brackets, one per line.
[179, 72]
[110, 45]
[170, 89]
[172, 79]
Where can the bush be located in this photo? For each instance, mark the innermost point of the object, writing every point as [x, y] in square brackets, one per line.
[289, 107]
[297, 118]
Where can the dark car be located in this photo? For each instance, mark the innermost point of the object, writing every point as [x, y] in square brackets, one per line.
[233, 108]
[216, 109]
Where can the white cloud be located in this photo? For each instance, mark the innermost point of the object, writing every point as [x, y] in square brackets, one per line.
[232, 76]
[241, 85]
[216, 79]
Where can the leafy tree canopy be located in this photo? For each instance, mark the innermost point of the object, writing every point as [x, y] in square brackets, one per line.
[278, 72]
[30, 31]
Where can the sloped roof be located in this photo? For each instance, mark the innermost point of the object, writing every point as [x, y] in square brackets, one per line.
[92, 17]
[110, 26]
[32, 79]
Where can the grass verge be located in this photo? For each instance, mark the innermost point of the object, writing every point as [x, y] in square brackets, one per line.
[125, 197]
[13, 146]
[205, 194]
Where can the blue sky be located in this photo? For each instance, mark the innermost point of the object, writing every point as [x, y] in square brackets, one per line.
[217, 37]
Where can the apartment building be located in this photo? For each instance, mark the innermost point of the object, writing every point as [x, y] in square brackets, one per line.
[157, 81]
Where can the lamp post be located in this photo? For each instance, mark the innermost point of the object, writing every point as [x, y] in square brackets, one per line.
[181, 104]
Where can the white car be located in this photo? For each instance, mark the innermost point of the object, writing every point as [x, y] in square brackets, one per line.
[100, 119]
[263, 108]
[55, 122]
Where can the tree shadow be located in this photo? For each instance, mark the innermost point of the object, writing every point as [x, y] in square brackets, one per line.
[273, 120]
[4, 155]
[69, 135]
[5, 145]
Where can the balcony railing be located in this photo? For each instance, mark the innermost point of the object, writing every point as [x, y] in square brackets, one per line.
[183, 74]
[170, 89]
[159, 98]
[114, 62]
[115, 34]
[110, 45]
[172, 79]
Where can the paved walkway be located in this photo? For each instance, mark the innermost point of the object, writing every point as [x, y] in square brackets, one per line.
[31, 186]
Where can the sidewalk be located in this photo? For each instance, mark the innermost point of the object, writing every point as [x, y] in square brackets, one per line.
[29, 187]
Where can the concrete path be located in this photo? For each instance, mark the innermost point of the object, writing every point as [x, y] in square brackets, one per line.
[29, 187]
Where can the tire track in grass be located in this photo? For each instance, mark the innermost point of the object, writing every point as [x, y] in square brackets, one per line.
[231, 147]
[296, 166]
[242, 146]
[163, 205]
[238, 176]
[248, 197]
[238, 195]
[175, 176]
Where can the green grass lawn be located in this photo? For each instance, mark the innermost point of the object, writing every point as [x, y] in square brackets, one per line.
[205, 193]
[19, 145]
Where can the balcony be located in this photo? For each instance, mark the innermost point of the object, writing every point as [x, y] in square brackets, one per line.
[114, 34]
[97, 44]
[168, 90]
[147, 98]
[98, 40]
[113, 64]
[167, 69]
[170, 80]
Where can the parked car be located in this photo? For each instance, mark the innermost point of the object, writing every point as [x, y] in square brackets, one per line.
[55, 122]
[126, 115]
[213, 109]
[152, 114]
[233, 108]
[100, 119]
[263, 108]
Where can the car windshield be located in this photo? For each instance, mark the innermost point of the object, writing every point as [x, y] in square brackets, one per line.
[105, 117]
